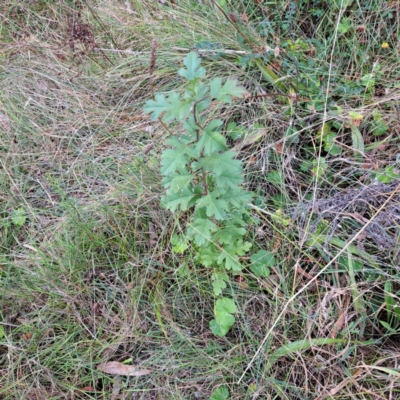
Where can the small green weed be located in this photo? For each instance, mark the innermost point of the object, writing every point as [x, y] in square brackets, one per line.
[202, 174]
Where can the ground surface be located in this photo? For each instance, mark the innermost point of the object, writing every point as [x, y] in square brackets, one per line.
[87, 274]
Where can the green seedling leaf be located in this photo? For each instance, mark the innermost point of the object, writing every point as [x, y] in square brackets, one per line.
[18, 217]
[388, 327]
[219, 278]
[344, 26]
[193, 70]
[275, 177]
[180, 243]
[221, 393]
[260, 263]
[223, 310]
[235, 132]
[299, 345]
[368, 81]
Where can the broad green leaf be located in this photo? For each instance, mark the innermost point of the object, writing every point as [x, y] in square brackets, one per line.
[180, 243]
[174, 200]
[214, 206]
[260, 263]
[201, 231]
[156, 107]
[219, 278]
[193, 70]
[233, 89]
[221, 393]
[223, 316]
[223, 310]
[18, 216]
[219, 330]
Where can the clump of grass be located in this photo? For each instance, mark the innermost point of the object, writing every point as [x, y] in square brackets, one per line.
[87, 274]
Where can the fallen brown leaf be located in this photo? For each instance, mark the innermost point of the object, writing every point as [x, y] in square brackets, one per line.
[27, 336]
[117, 368]
[88, 389]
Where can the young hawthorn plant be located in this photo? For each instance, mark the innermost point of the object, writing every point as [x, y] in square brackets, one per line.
[201, 174]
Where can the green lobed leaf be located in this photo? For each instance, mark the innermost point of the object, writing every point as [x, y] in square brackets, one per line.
[201, 230]
[214, 205]
[220, 163]
[193, 70]
[221, 393]
[208, 256]
[237, 197]
[223, 310]
[175, 159]
[18, 216]
[173, 200]
[156, 107]
[219, 278]
[177, 182]
[180, 243]
[229, 260]
[211, 140]
[224, 93]
[260, 263]
[229, 233]
[177, 109]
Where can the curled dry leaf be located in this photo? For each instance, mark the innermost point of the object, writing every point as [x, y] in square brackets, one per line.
[117, 368]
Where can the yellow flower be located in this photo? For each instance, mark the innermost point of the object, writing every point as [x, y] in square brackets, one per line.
[385, 45]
